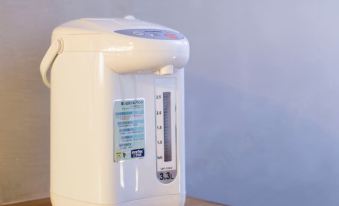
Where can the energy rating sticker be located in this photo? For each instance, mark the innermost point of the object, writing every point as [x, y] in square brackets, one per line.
[129, 129]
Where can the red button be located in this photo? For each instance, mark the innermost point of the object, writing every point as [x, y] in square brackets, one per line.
[171, 36]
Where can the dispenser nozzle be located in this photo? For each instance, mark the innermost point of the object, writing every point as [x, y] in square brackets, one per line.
[166, 70]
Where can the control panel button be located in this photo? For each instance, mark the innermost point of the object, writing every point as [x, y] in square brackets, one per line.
[138, 33]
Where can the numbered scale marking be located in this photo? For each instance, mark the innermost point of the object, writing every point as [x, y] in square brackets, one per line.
[165, 129]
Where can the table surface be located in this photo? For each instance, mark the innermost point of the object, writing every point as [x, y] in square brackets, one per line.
[189, 202]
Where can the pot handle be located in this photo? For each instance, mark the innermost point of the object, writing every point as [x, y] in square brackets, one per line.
[53, 51]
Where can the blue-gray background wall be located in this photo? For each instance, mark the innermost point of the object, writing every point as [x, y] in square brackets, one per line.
[262, 95]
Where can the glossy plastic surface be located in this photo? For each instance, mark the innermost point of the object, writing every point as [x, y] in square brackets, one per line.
[82, 168]
[92, 66]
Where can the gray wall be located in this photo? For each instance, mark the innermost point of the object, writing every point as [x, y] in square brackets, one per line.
[262, 95]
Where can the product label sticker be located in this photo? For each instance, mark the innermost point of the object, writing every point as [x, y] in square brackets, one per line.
[129, 129]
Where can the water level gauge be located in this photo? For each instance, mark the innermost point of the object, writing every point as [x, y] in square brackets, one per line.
[165, 116]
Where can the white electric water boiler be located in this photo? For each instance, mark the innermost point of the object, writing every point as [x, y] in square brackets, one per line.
[117, 113]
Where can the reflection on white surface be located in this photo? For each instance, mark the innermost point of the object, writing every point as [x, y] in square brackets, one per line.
[101, 67]
[121, 48]
[137, 179]
[122, 179]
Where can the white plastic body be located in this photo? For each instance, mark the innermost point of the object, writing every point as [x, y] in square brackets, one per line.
[83, 172]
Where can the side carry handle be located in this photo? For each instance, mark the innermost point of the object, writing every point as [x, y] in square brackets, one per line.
[47, 61]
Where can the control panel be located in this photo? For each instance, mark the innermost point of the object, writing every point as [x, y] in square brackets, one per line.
[152, 34]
